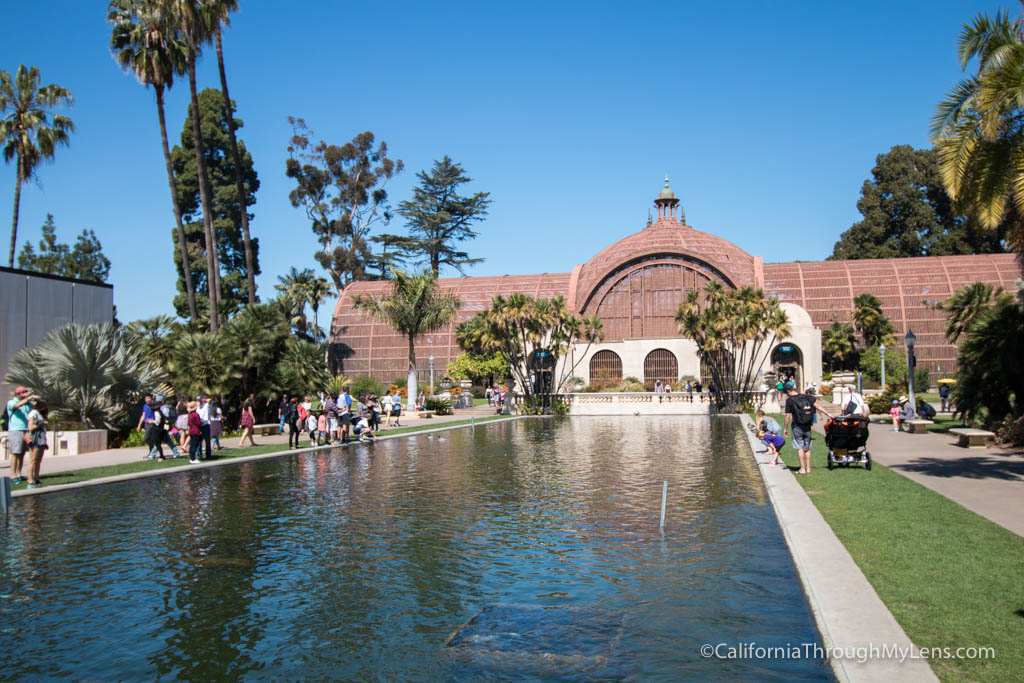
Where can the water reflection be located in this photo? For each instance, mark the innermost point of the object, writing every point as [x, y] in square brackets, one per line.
[362, 563]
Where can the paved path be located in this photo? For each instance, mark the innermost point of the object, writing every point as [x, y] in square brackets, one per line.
[119, 456]
[988, 481]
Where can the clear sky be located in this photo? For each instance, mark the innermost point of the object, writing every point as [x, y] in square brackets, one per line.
[767, 116]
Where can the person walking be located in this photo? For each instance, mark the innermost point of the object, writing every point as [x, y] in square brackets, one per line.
[169, 422]
[195, 433]
[800, 412]
[291, 421]
[331, 411]
[181, 423]
[204, 415]
[488, 394]
[388, 405]
[155, 430]
[944, 397]
[37, 440]
[396, 407]
[344, 414]
[247, 421]
[145, 425]
[18, 409]
[281, 407]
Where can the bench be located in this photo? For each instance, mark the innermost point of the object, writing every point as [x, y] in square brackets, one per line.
[425, 414]
[268, 429]
[918, 426]
[971, 438]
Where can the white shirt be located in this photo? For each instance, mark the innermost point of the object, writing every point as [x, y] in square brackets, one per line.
[860, 406]
[204, 412]
[387, 402]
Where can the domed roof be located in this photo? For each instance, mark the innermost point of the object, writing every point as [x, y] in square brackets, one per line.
[666, 237]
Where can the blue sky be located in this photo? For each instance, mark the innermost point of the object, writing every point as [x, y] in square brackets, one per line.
[767, 116]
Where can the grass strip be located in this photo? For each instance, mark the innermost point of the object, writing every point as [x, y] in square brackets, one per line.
[950, 577]
[75, 476]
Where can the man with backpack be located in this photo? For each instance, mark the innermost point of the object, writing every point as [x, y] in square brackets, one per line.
[800, 411]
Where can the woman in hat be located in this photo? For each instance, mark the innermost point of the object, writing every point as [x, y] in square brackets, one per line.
[37, 444]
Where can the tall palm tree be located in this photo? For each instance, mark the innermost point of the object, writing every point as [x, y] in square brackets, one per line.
[317, 290]
[155, 56]
[189, 18]
[219, 12]
[968, 303]
[414, 307]
[26, 130]
[977, 129]
[294, 287]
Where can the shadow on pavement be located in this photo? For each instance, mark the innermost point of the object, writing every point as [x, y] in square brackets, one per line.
[970, 467]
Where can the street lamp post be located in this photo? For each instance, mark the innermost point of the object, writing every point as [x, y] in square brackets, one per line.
[911, 338]
[881, 350]
[431, 375]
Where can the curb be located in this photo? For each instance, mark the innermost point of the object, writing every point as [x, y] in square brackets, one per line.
[847, 611]
[244, 458]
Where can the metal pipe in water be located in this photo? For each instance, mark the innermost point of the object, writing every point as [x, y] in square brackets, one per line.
[664, 497]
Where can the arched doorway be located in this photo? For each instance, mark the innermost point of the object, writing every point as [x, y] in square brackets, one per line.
[605, 367]
[788, 361]
[660, 364]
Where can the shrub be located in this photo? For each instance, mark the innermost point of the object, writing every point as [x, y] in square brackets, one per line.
[456, 390]
[880, 405]
[1010, 430]
[400, 382]
[365, 384]
[478, 392]
[440, 406]
[630, 384]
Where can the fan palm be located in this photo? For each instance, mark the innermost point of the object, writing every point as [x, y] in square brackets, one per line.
[414, 307]
[219, 13]
[870, 321]
[87, 373]
[978, 129]
[204, 363]
[26, 131]
[257, 335]
[301, 368]
[295, 287]
[155, 55]
[154, 335]
[837, 343]
[969, 302]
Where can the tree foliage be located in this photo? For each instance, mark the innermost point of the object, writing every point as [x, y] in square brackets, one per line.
[733, 328]
[87, 373]
[342, 190]
[227, 222]
[28, 134]
[438, 217]
[414, 307]
[907, 213]
[978, 129]
[477, 366]
[529, 334]
[967, 304]
[838, 345]
[84, 261]
[895, 368]
[990, 382]
[870, 321]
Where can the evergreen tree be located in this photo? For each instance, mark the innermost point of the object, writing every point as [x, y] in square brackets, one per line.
[438, 216]
[908, 213]
[224, 207]
[869, 319]
[85, 261]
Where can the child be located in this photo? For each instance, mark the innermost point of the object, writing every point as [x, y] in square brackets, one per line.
[361, 428]
[321, 428]
[311, 426]
[894, 411]
[770, 433]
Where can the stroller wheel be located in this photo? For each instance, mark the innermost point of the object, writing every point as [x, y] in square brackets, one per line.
[831, 460]
[867, 460]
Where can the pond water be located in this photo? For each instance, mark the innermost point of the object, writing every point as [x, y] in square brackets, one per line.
[521, 550]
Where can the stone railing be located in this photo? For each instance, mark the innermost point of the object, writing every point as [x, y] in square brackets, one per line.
[645, 403]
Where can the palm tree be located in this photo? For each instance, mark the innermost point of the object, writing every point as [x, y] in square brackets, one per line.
[977, 128]
[317, 290]
[967, 304]
[87, 373]
[219, 12]
[870, 321]
[414, 307]
[294, 287]
[26, 131]
[190, 20]
[204, 363]
[155, 56]
[155, 336]
[837, 343]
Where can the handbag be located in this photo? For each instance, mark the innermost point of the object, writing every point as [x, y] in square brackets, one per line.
[39, 439]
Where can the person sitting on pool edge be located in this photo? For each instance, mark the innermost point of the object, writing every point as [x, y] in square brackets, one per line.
[770, 432]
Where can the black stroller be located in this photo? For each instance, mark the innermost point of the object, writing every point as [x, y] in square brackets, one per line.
[846, 438]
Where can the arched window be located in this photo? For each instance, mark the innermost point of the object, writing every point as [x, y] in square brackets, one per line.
[605, 366]
[660, 364]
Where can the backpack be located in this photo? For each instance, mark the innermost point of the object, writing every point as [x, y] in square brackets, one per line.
[303, 412]
[803, 410]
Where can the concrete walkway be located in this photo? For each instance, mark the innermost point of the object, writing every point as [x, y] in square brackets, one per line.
[988, 481]
[120, 456]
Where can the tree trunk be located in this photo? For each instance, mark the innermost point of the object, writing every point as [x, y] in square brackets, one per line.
[250, 260]
[213, 276]
[411, 387]
[186, 266]
[17, 205]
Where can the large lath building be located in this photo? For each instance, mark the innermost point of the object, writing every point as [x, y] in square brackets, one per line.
[636, 284]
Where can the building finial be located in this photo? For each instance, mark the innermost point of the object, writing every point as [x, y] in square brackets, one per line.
[666, 177]
[648, 217]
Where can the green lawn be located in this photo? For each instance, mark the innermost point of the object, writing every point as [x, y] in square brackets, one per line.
[74, 476]
[950, 577]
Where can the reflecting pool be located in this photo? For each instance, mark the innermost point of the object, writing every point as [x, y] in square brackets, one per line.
[522, 550]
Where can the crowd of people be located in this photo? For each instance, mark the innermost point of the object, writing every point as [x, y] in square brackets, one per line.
[337, 419]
